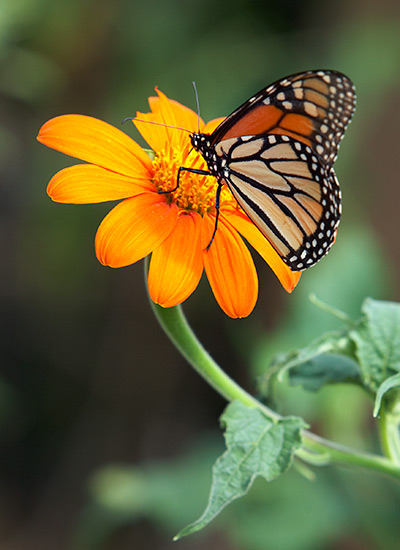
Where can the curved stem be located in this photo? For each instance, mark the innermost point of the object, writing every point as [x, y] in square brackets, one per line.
[316, 450]
[177, 328]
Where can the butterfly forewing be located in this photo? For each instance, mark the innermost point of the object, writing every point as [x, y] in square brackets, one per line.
[292, 198]
[313, 107]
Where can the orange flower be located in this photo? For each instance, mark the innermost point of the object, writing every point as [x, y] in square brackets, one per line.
[174, 227]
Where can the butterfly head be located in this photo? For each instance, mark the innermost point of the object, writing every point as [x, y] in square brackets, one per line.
[200, 141]
[202, 144]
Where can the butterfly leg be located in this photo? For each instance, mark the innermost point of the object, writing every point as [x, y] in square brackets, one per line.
[183, 169]
[217, 196]
[217, 199]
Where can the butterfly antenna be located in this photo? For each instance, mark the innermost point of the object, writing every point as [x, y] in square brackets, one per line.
[134, 119]
[197, 103]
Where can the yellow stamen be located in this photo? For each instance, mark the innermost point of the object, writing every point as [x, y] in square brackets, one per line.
[195, 192]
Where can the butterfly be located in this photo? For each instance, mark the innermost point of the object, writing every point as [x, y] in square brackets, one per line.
[276, 154]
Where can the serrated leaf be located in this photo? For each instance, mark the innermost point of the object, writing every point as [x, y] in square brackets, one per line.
[377, 342]
[256, 446]
[389, 384]
[324, 369]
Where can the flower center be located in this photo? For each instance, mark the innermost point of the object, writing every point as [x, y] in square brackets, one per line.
[195, 192]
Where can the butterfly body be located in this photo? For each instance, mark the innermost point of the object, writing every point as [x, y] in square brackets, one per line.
[276, 155]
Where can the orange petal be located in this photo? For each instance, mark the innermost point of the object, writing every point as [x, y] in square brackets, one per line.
[158, 137]
[95, 141]
[170, 112]
[230, 269]
[134, 228]
[87, 183]
[177, 264]
[210, 126]
[174, 113]
[253, 235]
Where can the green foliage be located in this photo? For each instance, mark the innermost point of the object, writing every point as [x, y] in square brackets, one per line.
[260, 444]
[390, 383]
[318, 371]
[365, 352]
[256, 446]
[377, 341]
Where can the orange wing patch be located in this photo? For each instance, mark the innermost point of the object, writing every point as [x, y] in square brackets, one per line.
[260, 120]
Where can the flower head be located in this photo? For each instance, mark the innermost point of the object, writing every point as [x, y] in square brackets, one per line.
[176, 227]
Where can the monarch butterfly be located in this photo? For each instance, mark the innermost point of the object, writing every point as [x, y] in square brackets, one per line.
[276, 154]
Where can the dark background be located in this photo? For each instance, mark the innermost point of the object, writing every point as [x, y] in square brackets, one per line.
[107, 436]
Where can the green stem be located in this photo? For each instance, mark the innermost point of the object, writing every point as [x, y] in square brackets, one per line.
[389, 430]
[177, 328]
[330, 309]
[316, 450]
[346, 456]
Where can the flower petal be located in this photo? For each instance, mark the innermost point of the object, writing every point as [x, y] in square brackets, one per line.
[155, 135]
[177, 263]
[172, 113]
[230, 269]
[253, 235]
[134, 228]
[95, 141]
[212, 125]
[87, 183]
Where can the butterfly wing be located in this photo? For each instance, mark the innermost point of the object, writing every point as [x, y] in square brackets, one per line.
[314, 108]
[285, 189]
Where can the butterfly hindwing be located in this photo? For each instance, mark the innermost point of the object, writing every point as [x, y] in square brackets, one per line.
[288, 193]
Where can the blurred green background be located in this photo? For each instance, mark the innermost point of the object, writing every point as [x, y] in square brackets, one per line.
[107, 436]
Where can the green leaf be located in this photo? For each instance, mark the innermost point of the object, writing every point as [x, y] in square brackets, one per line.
[256, 446]
[332, 342]
[366, 351]
[389, 384]
[377, 342]
[324, 369]
[328, 359]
